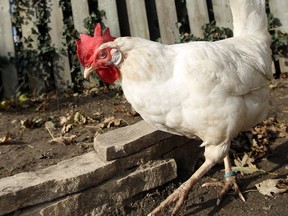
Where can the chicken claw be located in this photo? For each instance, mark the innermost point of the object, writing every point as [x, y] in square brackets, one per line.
[178, 196]
[181, 193]
[229, 183]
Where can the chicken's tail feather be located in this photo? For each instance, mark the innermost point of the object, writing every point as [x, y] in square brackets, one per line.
[249, 17]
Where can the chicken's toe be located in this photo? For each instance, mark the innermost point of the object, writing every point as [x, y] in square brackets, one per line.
[178, 197]
[229, 183]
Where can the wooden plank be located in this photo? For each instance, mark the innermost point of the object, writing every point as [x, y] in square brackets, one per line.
[168, 23]
[198, 16]
[137, 18]
[279, 9]
[6, 36]
[61, 66]
[111, 16]
[9, 73]
[222, 13]
[80, 11]
[29, 18]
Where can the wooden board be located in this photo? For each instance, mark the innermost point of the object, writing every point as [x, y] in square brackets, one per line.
[279, 8]
[28, 23]
[168, 22]
[9, 73]
[222, 13]
[111, 16]
[61, 68]
[137, 18]
[198, 16]
[80, 11]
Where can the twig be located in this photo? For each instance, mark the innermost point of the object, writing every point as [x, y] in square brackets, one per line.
[50, 132]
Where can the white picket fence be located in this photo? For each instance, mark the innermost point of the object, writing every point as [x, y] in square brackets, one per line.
[138, 24]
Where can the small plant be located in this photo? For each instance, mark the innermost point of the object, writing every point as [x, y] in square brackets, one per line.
[211, 31]
[34, 59]
[279, 43]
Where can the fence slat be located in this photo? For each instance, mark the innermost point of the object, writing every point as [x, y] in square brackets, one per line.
[137, 18]
[111, 16]
[80, 11]
[168, 22]
[61, 67]
[9, 73]
[29, 20]
[279, 9]
[222, 13]
[198, 16]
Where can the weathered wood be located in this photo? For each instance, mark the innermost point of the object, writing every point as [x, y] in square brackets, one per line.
[168, 22]
[137, 18]
[198, 16]
[222, 13]
[80, 11]
[111, 16]
[61, 67]
[279, 9]
[8, 74]
[29, 20]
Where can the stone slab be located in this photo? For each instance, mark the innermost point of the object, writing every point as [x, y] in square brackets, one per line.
[133, 145]
[69, 176]
[127, 140]
[106, 197]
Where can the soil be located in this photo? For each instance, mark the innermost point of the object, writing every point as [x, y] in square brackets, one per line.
[28, 142]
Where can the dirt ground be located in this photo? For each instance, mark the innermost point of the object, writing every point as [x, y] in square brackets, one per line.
[36, 133]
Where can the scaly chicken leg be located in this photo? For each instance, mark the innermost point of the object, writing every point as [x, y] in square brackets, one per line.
[181, 193]
[229, 183]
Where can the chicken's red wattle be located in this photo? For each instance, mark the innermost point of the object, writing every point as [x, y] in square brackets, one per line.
[108, 74]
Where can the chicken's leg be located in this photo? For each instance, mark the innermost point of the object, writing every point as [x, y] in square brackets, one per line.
[230, 182]
[180, 194]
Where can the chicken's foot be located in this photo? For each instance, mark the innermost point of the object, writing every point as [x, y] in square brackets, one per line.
[229, 183]
[181, 193]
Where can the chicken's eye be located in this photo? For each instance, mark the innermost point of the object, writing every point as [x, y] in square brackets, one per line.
[102, 54]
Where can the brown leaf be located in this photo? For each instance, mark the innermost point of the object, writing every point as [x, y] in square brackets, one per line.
[66, 120]
[5, 139]
[79, 118]
[66, 128]
[270, 187]
[111, 122]
[245, 165]
[42, 107]
[66, 140]
[32, 123]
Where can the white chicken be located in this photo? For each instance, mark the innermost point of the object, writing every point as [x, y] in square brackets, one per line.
[212, 90]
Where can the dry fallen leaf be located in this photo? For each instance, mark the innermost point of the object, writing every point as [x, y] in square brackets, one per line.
[5, 139]
[270, 187]
[245, 165]
[66, 120]
[111, 122]
[79, 118]
[50, 125]
[32, 123]
[66, 140]
[66, 128]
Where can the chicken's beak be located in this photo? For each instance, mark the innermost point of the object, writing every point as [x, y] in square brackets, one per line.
[88, 70]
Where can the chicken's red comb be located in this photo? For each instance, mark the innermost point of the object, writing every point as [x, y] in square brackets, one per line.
[87, 44]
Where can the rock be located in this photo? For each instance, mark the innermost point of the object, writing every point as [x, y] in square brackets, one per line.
[72, 181]
[67, 177]
[127, 140]
[105, 198]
